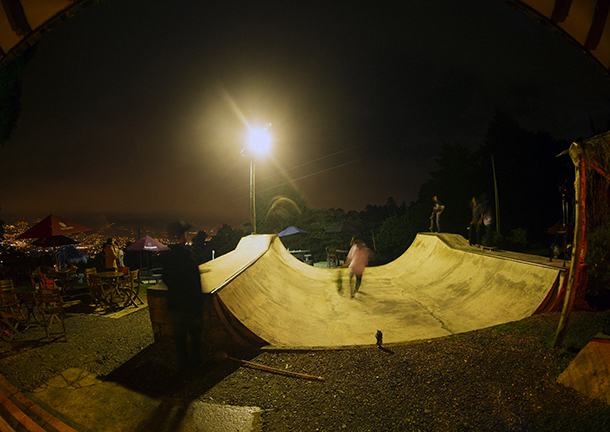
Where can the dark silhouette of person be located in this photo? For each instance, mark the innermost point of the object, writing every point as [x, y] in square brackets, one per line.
[184, 300]
[475, 222]
[479, 207]
[488, 220]
[437, 209]
[202, 250]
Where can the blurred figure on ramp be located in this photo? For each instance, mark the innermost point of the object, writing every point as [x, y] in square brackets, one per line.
[357, 260]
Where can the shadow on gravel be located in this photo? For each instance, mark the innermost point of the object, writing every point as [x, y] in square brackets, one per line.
[17, 347]
[154, 372]
[385, 350]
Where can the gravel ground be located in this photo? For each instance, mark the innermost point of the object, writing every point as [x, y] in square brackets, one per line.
[499, 379]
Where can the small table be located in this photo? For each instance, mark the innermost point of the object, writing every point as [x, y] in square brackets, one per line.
[65, 276]
[27, 297]
[341, 256]
[300, 254]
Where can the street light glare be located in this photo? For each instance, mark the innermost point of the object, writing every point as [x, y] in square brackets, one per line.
[259, 141]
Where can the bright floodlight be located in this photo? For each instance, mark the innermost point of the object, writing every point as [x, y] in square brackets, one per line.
[259, 142]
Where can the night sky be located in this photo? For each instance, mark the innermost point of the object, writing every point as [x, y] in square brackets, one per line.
[137, 111]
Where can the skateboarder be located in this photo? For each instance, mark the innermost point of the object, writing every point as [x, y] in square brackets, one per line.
[357, 260]
[437, 209]
[475, 223]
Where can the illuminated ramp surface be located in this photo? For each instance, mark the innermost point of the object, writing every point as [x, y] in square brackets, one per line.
[438, 287]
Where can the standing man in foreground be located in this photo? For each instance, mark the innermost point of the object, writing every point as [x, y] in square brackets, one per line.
[184, 297]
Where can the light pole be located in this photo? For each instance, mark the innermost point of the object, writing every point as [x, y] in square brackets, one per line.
[252, 197]
[258, 144]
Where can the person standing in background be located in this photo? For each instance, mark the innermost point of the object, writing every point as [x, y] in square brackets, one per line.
[437, 209]
[110, 253]
[120, 257]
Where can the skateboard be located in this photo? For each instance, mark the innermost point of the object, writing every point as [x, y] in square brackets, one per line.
[488, 248]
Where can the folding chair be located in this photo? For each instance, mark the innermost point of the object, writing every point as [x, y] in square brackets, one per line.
[52, 309]
[100, 294]
[10, 313]
[8, 323]
[131, 288]
[331, 258]
[8, 297]
[89, 271]
[123, 282]
[35, 276]
[47, 283]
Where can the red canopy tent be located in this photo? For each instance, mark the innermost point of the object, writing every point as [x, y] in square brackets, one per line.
[52, 226]
[147, 243]
[54, 241]
[50, 231]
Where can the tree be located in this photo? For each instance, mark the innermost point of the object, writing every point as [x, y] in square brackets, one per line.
[528, 175]
[456, 181]
[398, 232]
[527, 172]
[225, 240]
[277, 207]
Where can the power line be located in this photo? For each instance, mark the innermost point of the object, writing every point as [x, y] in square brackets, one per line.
[295, 167]
[293, 180]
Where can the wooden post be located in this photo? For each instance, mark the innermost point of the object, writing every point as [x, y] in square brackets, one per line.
[578, 248]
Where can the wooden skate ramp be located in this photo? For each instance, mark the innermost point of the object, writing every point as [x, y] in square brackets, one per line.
[438, 287]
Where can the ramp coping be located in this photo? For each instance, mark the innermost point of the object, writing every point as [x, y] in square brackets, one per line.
[503, 257]
[243, 268]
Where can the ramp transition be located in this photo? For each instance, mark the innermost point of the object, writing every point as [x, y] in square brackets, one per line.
[440, 286]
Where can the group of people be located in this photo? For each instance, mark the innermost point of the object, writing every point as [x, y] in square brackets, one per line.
[481, 223]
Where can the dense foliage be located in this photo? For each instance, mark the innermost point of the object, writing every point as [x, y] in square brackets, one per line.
[518, 171]
[528, 174]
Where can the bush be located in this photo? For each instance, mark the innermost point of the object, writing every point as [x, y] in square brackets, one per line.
[518, 237]
[516, 240]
